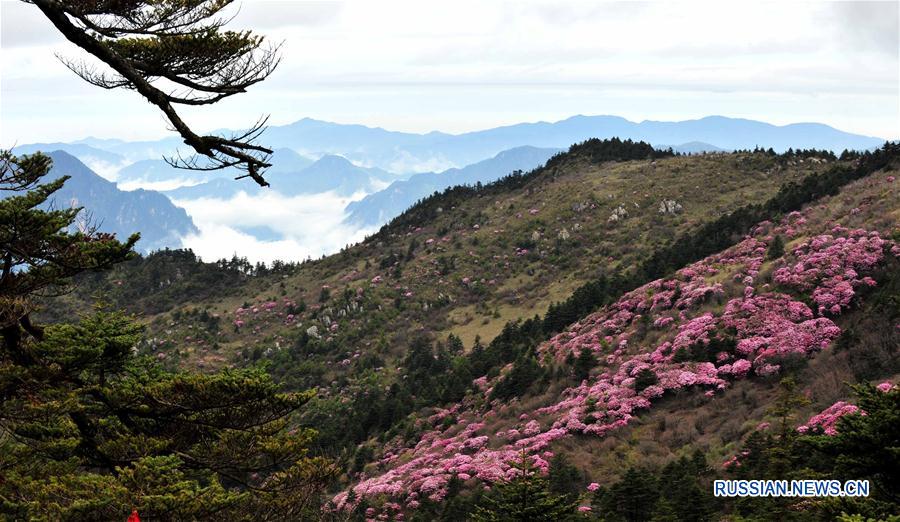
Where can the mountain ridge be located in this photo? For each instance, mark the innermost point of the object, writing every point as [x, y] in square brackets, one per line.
[381, 206]
[407, 152]
[161, 223]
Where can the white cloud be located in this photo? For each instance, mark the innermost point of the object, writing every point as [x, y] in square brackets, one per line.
[406, 162]
[308, 226]
[169, 184]
[467, 64]
[105, 169]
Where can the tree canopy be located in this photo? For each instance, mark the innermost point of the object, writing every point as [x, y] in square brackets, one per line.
[90, 430]
[173, 52]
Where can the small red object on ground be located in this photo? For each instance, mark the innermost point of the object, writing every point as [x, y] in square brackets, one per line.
[134, 516]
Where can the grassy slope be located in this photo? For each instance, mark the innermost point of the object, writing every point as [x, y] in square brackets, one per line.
[575, 196]
[678, 424]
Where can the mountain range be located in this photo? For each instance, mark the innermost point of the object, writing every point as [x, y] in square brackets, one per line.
[408, 152]
[395, 169]
[123, 213]
[292, 174]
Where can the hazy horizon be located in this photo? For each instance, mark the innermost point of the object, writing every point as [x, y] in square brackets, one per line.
[290, 121]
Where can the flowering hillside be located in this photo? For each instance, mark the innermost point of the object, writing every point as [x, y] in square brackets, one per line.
[479, 261]
[739, 314]
[434, 370]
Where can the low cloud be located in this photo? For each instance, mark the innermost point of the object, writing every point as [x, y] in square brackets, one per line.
[406, 163]
[105, 169]
[308, 226]
[168, 184]
[273, 14]
[23, 25]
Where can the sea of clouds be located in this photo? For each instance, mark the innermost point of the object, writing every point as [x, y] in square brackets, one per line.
[297, 227]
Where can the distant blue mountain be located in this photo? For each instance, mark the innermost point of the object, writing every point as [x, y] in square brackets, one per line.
[138, 150]
[382, 206]
[158, 170]
[693, 147]
[86, 153]
[330, 173]
[160, 223]
[403, 152]
[291, 176]
[219, 188]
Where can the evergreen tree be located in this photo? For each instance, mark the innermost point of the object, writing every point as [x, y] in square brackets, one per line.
[687, 494]
[173, 53]
[866, 446]
[526, 498]
[583, 364]
[644, 378]
[524, 373]
[776, 248]
[786, 404]
[90, 430]
[631, 499]
[564, 478]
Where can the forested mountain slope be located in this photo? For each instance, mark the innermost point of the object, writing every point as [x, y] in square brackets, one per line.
[687, 362]
[391, 327]
[471, 259]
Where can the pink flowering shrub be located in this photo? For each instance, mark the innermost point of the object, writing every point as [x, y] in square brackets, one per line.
[827, 420]
[738, 331]
[269, 313]
[830, 266]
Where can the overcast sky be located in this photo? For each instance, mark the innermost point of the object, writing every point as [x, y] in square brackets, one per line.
[464, 65]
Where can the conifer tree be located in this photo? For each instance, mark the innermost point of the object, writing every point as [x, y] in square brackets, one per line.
[867, 446]
[90, 430]
[526, 498]
[583, 364]
[173, 53]
[776, 248]
[631, 499]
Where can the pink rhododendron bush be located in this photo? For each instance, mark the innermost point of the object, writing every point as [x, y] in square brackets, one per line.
[828, 419]
[713, 322]
[830, 266]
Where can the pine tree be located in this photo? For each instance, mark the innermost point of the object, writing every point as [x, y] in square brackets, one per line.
[776, 248]
[583, 364]
[687, 494]
[526, 498]
[784, 409]
[633, 498]
[645, 378]
[173, 53]
[90, 430]
[866, 446]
